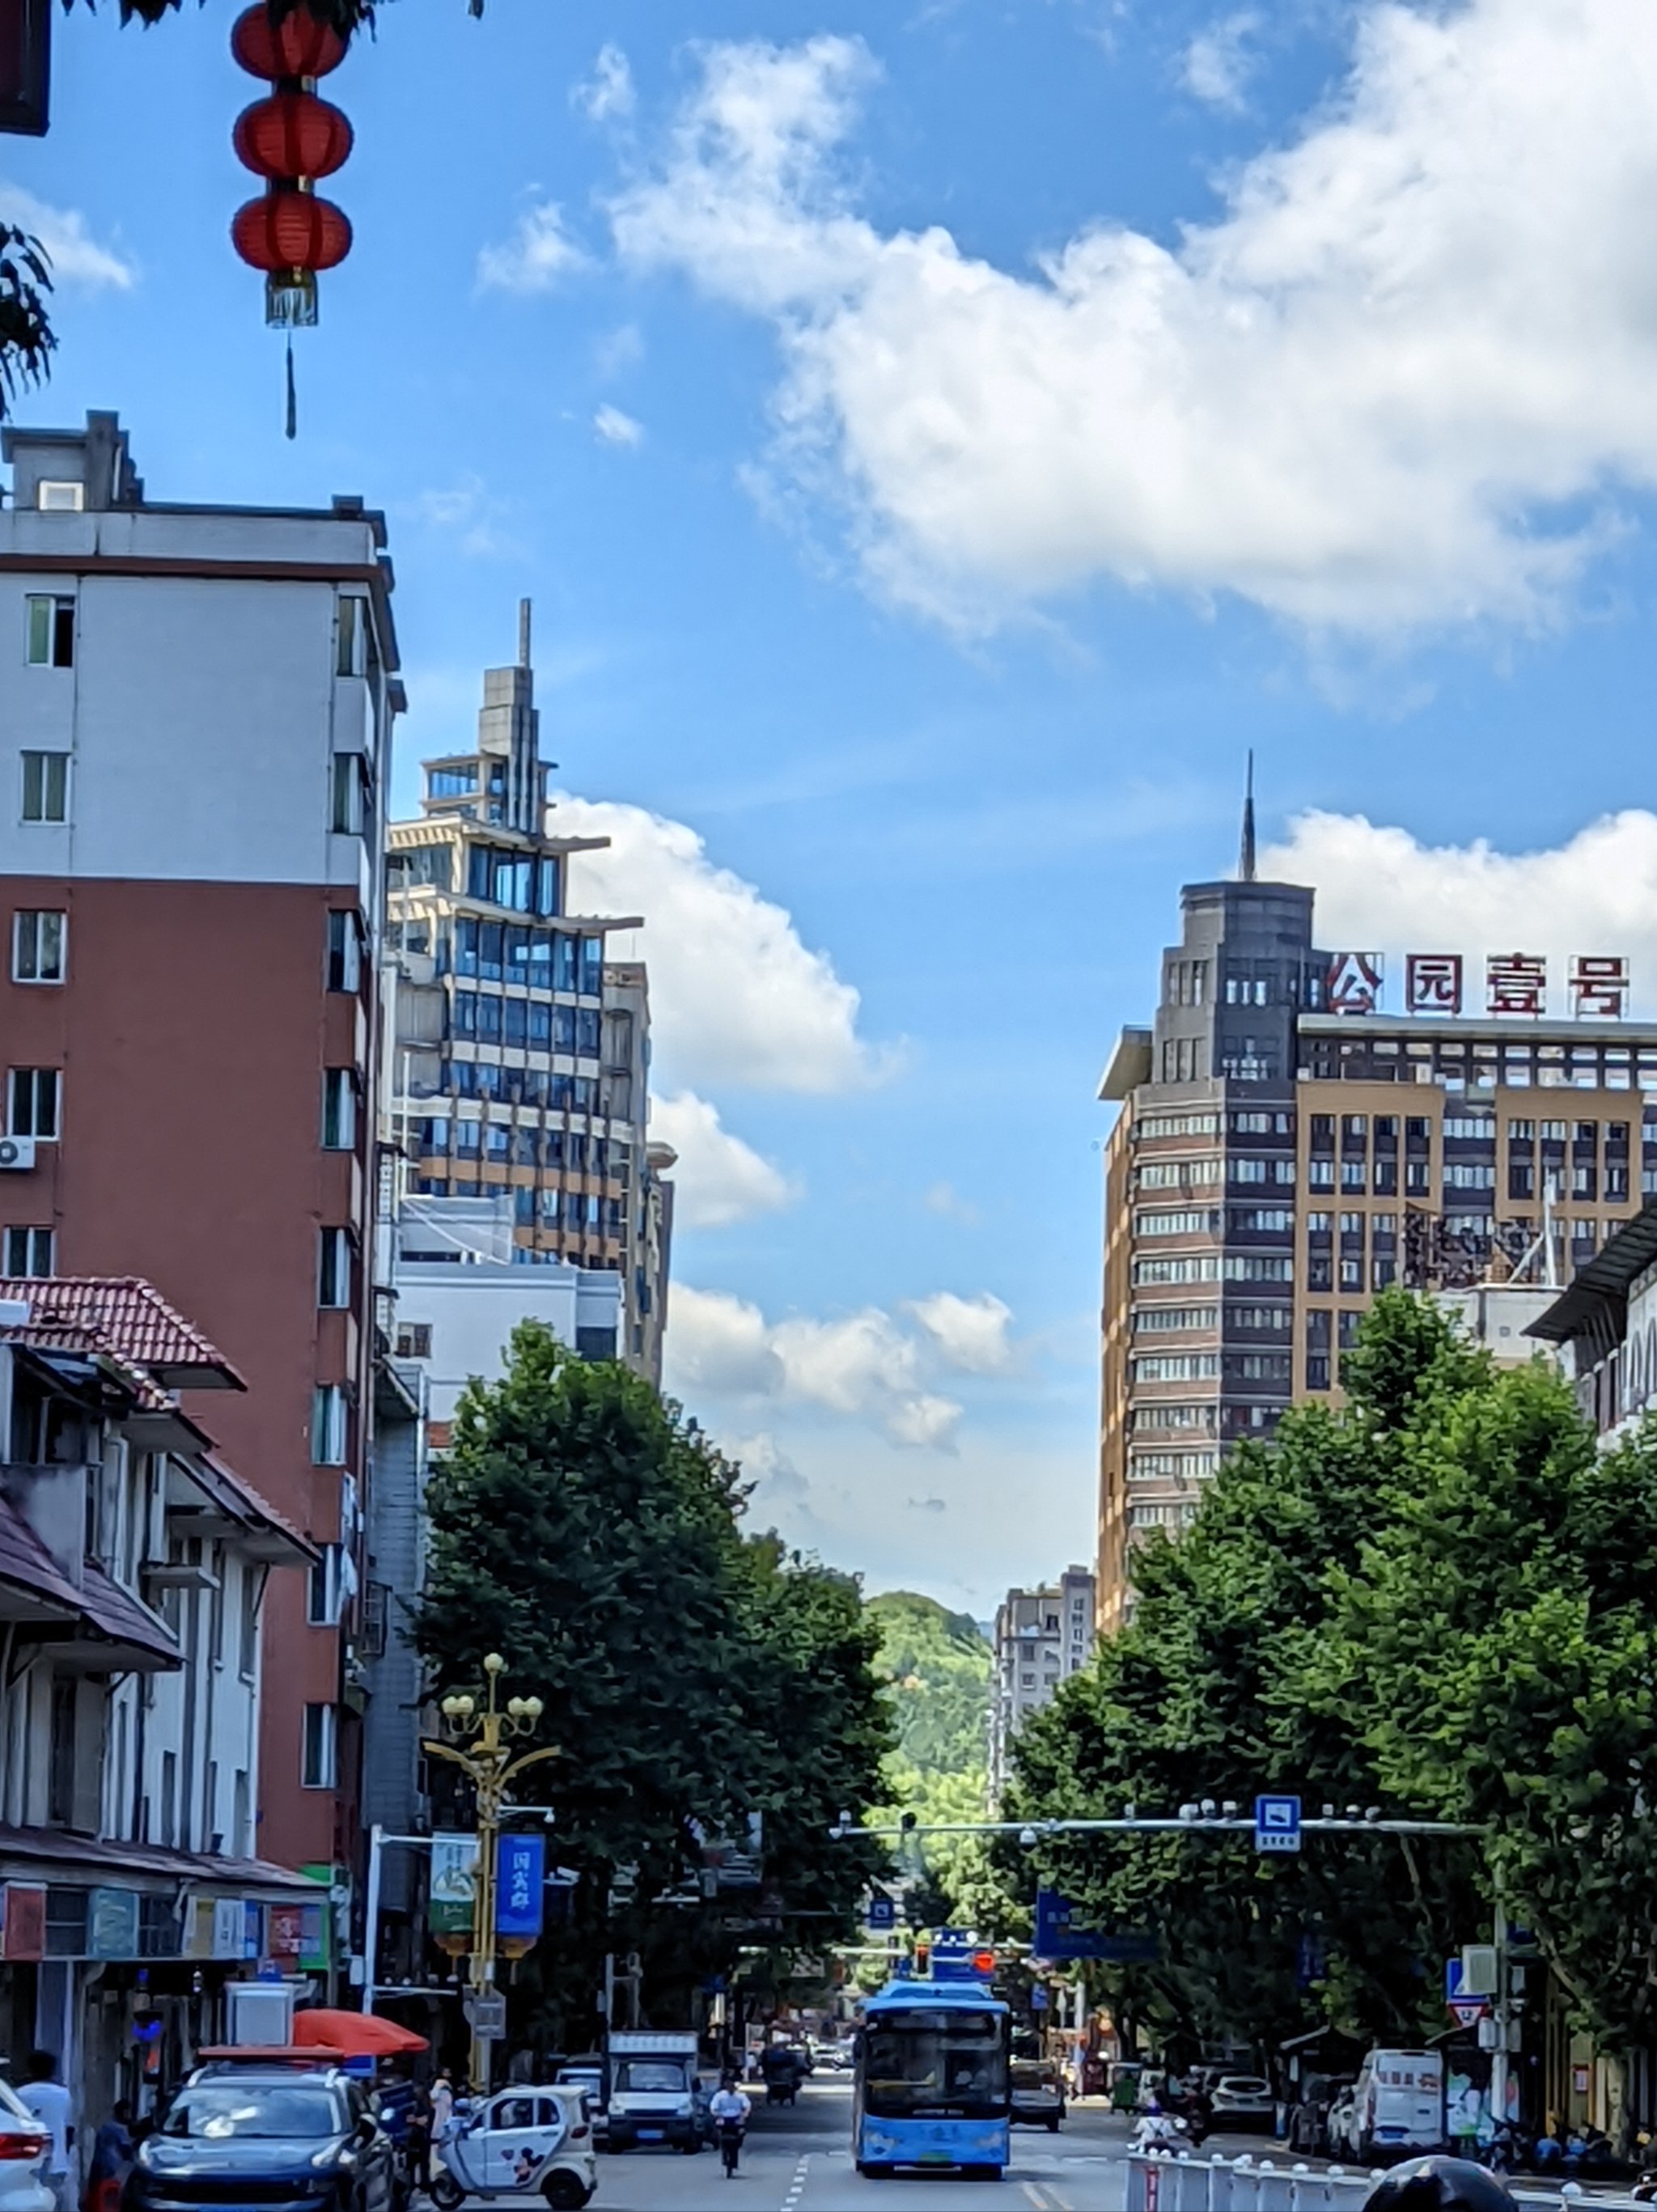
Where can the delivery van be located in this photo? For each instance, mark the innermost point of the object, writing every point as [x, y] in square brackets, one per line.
[1397, 2105]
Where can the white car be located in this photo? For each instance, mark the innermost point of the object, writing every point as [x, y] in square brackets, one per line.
[22, 2189]
[1242, 2100]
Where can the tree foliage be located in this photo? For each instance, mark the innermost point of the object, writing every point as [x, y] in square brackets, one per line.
[1435, 1601]
[937, 1666]
[692, 1678]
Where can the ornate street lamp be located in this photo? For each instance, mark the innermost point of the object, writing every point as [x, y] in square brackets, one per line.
[480, 1734]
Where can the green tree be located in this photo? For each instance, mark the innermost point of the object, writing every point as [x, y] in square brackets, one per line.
[691, 1679]
[1206, 1695]
[937, 1664]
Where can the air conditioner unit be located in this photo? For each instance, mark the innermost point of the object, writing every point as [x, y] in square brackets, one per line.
[17, 1153]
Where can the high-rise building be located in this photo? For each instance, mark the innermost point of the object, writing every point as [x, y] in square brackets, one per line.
[1041, 1637]
[1285, 1149]
[195, 723]
[521, 1057]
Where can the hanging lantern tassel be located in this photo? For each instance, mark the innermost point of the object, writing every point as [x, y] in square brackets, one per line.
[290, 139]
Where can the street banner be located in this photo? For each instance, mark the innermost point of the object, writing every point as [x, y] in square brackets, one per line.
[454, 1885]
[519, 1871]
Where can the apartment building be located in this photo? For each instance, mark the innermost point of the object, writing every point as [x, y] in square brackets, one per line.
[521, 1056]
[136, 1569]
[1284, 1148]
[196, 706]
[1041, 1636]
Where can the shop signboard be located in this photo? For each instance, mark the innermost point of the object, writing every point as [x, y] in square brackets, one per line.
[113, 1923]
[24, 1936]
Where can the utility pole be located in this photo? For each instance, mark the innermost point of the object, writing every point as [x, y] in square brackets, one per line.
[489, 1765]
[1503, 2021]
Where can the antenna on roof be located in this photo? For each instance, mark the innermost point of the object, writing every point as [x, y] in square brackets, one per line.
[524, 636]
[1245, 857]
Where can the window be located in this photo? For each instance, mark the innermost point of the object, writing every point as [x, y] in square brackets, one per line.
[1175, 1367]
[1351, 1175]
[328, 1426]
[1258, 1317]
[1616, 1182]
[36, 1102]
[252, 1588]
[1258, 1267]
[1351, 1224]
[51, 631]
[347, 799]
[344, 951]
[30, 1251]
[38, 945]
[1319, 1225]
[58, 495]
[1269, 1221]
[1551, 1132]
[319, 1759]
[1174, 1224]
[1162, 1125]
[45, 786]
[1153, 1320]
[1470, 1174]
[1171, 1175]
[1351, 1274]
[351, 657]
[1190, 1267]
[339, 1109]
[414, 1340]
[334, 1267]
[1521, 1133]
[1320, 1175]
[323, 1594]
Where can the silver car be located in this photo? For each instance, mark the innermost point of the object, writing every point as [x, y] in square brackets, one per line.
[1242, 2100]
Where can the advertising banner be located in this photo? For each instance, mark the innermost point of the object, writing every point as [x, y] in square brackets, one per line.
[454, 1884]
[520, 1868]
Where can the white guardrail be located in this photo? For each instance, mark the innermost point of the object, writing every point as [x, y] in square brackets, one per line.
[1160, 2182]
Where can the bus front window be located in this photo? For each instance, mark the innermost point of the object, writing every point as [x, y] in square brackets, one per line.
[936, 2063]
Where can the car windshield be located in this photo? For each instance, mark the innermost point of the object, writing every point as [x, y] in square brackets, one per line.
[936, 2061]
[217, 2111]
[1243, 2084]
[663, 2076]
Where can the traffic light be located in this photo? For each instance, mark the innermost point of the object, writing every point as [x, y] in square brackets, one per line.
[923, 1954]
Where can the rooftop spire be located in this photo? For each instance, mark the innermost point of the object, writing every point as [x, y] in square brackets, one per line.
[524, 636]
[1245, 857]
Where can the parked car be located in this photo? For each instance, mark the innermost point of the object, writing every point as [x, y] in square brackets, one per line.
[1242, 2100]
[293, 2138]
[1038, 2095]
[24, 2147]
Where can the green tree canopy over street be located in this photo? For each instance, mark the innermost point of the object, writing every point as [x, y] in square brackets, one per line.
[1435, 1601]
[692, 1677]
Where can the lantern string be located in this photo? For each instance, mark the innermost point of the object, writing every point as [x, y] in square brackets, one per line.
[292, 400]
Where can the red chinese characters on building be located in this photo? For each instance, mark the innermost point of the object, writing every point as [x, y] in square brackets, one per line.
[1432, 982]
[1353, 985]
[1516, 983]
[1599, 986]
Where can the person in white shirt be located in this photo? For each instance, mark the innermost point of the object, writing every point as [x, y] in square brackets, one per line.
[49, 2101]
[728, 2109]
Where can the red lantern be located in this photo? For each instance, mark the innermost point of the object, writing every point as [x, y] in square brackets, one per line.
[292, 134]
[297, 46]
[289, 230]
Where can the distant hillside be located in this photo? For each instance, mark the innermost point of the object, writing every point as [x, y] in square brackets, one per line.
[938, 1664]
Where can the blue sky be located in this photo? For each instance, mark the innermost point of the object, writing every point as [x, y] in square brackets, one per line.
[940, 441]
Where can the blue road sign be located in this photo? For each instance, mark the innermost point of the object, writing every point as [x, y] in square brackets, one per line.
[882, 1913]
[1276, 1824]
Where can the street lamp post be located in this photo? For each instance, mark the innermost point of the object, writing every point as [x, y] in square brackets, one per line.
[480, 1733]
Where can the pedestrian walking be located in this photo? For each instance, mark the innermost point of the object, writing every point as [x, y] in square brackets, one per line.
[111, 2155]
[421, 2116]
[46, 2098]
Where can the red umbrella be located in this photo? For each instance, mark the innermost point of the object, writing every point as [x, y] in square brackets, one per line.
[358, 2034]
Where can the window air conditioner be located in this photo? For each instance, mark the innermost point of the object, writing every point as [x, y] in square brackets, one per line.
[17, 1153]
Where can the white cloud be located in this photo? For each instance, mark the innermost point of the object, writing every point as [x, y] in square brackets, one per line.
[76, 257]
[970, 1334]
[719, 1179]
[1217, 64]
[1380, 889]
[623, 348]
[476, 517]
[617, 429]
[864, 1366]
[1396, 383]
[538, 257]
[736, 998]
[944, 1198]
[608, 94]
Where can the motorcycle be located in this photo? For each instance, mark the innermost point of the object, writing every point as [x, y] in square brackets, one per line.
[781, 2089]
[1158, 2131]
[730, 2136]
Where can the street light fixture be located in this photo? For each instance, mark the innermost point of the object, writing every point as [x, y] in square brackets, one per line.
[480, 1738]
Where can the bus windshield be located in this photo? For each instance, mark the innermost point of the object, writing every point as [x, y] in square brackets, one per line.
[936, 2063]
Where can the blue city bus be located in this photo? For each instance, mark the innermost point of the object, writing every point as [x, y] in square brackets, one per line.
[932, 2084]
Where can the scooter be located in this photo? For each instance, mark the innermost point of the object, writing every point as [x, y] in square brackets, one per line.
[1157, 2131]
[780, 2089]
[730, 2136]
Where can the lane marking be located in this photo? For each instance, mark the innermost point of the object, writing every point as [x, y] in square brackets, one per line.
[1034, 2195]
[798, 2184]
[1063, 2203]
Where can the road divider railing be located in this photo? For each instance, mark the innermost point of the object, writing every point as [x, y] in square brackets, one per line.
[1163, 2181]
